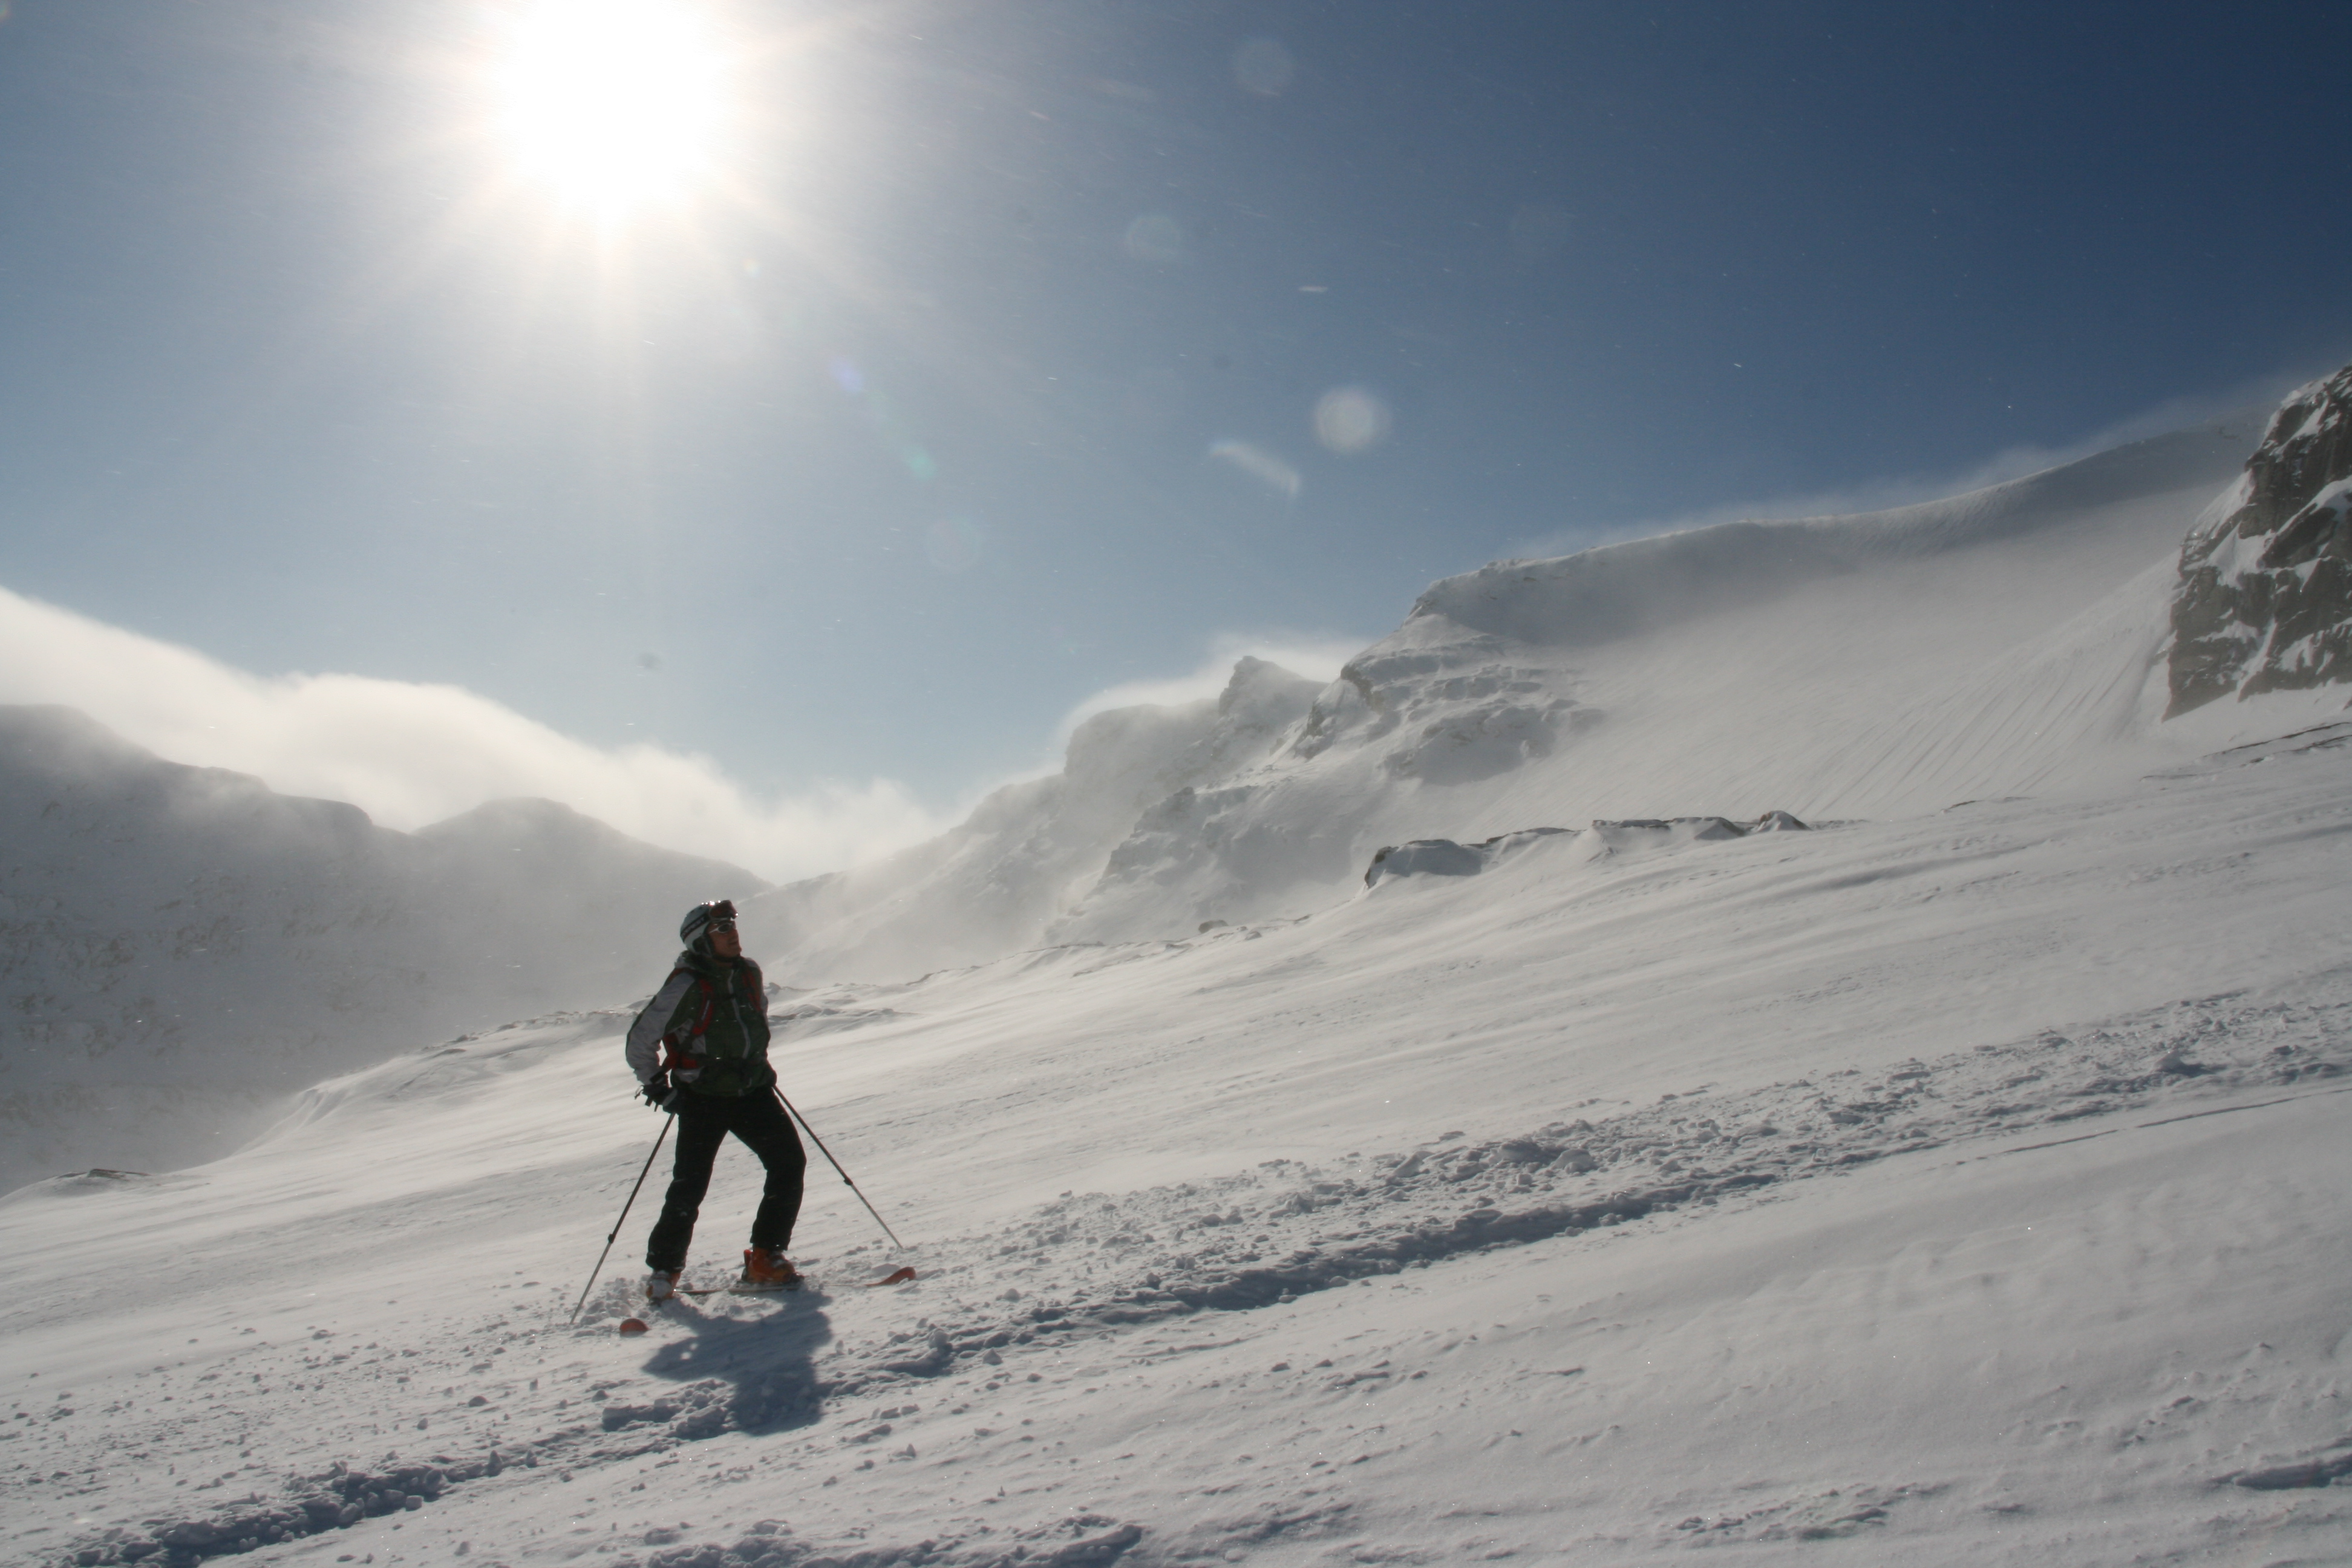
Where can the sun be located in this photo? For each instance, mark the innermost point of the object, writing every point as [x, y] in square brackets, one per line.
[611, 103]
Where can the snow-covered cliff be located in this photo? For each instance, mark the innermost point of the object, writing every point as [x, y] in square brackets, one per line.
[2265, 595]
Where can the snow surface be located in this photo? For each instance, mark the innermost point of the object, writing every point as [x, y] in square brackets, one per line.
[1972, 1186]
[1956, 1172]
[1999, 642]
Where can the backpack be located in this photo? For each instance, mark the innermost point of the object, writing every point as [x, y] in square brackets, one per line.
[725, 1076]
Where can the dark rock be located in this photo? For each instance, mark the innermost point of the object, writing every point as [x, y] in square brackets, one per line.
[2266, 597]
[1424, 857]
[2318, 1472]
[619, 1415]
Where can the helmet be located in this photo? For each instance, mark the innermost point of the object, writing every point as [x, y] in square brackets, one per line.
[695, 928]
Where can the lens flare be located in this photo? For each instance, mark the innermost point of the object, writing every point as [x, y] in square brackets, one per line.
[611, 102]
[1260, 465]
[1350, 420]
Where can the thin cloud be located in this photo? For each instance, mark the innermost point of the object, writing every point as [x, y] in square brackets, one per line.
[409, 754]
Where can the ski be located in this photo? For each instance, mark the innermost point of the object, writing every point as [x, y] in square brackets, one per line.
[631, 1326]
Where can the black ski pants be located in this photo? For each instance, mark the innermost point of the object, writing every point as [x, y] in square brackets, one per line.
[703, 1123]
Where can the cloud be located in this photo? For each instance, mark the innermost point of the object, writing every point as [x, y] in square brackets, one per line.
[1315, 658]
[409, 754]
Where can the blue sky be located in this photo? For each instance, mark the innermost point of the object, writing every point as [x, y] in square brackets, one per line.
[980, 368]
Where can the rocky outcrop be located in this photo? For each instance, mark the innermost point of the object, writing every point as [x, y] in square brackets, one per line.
[1445, 858]
[2265, 595]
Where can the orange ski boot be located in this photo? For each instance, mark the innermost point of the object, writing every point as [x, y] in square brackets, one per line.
[765, 1269]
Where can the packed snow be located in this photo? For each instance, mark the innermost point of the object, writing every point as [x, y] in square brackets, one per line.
[1872, 1092]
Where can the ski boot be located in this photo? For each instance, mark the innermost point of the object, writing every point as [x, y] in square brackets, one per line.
[662, 1284]
[764, 1269]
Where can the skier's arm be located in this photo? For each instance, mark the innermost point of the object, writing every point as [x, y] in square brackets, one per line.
[659, 1017]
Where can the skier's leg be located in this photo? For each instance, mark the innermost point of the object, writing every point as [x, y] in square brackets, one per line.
[699, 1133]
[768, 1133]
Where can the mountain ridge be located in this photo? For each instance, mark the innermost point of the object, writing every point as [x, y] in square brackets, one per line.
[181, 947]
[1529, 693]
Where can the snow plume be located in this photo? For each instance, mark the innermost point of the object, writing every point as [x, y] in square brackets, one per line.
[1317, 658]
[2229, 423]
[409, 754]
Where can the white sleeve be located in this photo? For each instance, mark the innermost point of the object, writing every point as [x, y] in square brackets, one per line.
[645, 1034]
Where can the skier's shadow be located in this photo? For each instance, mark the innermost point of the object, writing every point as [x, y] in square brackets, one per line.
[763, 1363]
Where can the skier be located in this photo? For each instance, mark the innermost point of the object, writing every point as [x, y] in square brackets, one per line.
[700, 1050]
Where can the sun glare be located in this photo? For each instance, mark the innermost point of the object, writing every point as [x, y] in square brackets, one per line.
[611, 102]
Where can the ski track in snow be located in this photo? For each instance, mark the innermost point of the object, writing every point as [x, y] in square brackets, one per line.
[508, 1405]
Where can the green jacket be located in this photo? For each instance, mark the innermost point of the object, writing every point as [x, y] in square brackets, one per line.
[708, 1024]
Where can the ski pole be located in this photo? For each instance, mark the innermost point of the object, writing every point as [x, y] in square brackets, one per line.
[625, 1214]
[821, 1148]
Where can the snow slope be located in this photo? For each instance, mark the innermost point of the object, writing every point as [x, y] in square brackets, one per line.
[1893, 662]
[183, 949]
[1970, 1187]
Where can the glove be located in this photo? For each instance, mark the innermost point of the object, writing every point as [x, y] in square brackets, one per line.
[658, 1091]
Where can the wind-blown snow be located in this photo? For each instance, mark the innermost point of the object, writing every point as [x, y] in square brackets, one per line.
[182, 948]
[1887, 663]
[411, 753]
[1000, 878]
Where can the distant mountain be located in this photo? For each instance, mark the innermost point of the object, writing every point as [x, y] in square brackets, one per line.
[179, 947]
[1996, 642]
[999, 880]
[2265, 597]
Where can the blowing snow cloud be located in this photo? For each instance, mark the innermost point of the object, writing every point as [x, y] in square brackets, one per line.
[410, 754]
